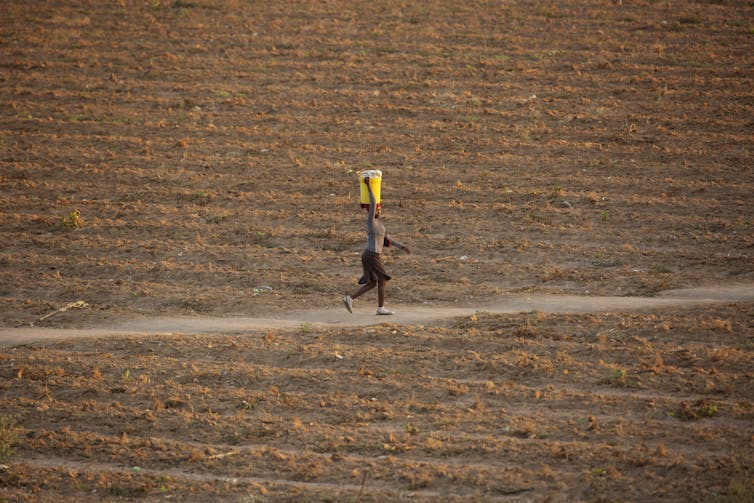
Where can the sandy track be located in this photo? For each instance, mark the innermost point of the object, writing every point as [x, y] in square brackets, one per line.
[405, 314]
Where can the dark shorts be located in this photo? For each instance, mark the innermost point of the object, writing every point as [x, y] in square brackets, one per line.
[373, 269]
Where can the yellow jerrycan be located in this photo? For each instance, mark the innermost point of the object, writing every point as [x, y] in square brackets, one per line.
[375, 181]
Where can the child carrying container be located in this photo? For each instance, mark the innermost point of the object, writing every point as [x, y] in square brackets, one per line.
[374, 271]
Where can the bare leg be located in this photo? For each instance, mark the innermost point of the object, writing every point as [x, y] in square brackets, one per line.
[381, 284]
[363, 289]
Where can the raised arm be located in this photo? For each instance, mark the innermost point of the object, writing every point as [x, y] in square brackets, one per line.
[372, 202]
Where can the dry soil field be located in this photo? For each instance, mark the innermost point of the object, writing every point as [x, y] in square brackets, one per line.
[199, 158]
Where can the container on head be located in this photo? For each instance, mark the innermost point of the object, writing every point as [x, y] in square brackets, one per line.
[375, 182]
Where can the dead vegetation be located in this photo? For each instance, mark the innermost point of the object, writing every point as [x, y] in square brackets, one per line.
[589, 148]
[475, 410]
[161, 157]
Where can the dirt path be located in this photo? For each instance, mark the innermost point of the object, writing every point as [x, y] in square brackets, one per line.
[405, 314]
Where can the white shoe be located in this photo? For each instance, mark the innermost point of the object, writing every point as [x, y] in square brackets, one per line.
[383, 311]
[348, 301]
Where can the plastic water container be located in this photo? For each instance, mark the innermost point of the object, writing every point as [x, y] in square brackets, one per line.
[375, 181]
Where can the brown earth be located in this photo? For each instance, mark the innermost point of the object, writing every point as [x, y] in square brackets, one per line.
[182, 158]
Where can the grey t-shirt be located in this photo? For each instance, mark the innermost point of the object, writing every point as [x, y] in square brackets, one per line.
[376, 236]
[375, 231]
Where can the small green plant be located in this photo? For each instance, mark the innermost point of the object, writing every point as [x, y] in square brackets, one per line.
[8, 437]
[697, 410]
[411, 429]
[604, 215]
[262, 238]
[708, 410]
[202, 197]
[662, 270]
[598, 472]
[305, 328]
[617, 376]
[542, 56]
[72, 220]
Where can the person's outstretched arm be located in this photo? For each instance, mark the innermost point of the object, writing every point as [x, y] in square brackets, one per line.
[389, 241]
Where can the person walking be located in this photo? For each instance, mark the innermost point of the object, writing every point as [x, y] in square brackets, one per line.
[374, 271]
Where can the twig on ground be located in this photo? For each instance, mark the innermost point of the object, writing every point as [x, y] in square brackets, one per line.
[223, 455]
[79, 304]
[363, 484]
